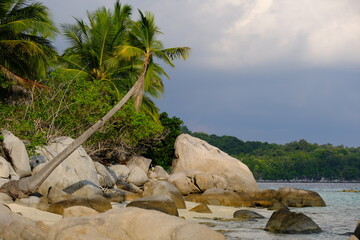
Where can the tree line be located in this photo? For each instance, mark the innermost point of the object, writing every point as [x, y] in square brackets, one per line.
[297, 160]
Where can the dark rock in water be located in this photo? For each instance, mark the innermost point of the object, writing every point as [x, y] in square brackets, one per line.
[357, 231]
[247, 214]
[97, 203]
[201, 208]
[277, 206]
[285, 221]
[160, 203]
[36, 160]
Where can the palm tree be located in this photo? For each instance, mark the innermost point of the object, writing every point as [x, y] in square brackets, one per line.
[143, 43]
[144, 33]
[93, 45]
[25, 49]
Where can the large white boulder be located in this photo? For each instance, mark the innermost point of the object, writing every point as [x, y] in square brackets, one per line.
[195, 154]
[130, 224]
[17, 153]
[140, 162]
[76, 175]
[137, 176]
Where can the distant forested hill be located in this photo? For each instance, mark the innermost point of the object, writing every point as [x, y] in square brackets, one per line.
[295, 160]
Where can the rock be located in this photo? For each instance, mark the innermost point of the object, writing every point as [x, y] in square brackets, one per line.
[129, 224]
[201, 208]
[105, 178]
[4, 198]
[76, 175]
[97, 203]
[265, 197]
[221, 197]
[285, 221]
[204, 181]
[31, 201]
[79, 211]
[16, 151]
[140, 162]
[55, 195]
[137, 176]
[160, 203]
[15, 226]
[115, 195]
[119, 171]
[292, 197]
[277, 206]
[6, 170]
[158, 172]
[36, 160]
[195, 154]
[356, 234]
[247, 214]
[155, 188]
[184, 183]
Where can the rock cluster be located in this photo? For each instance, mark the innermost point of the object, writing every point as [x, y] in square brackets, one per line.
[200, 173]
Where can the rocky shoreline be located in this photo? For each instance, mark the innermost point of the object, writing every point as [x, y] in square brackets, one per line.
[83, 199]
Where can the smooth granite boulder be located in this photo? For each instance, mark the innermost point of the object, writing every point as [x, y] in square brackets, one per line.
[98, 203]
[140, 162]
[6, 170]
[106, 180]
[137, 176]
[76, 175]
[292, 197]
[160, 203]
[17, 153]
[154, 188]
[221, 197]
[15, 226]
[194, 154]
[119, 172]
[285, 221]
[184, 183]
[130, 224]
[79, 211]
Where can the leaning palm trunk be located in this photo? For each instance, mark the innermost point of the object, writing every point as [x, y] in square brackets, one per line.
[23, 187]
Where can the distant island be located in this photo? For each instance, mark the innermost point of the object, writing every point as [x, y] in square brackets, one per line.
[294, 161]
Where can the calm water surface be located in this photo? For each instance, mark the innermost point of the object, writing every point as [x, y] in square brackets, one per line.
[337, 220]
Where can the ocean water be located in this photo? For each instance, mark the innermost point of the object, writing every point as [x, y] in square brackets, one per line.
[337, 220]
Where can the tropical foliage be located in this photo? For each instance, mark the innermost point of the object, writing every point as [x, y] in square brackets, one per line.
[109, 54]
[25, 46]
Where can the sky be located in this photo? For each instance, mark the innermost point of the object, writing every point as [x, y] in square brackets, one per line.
[261, 70]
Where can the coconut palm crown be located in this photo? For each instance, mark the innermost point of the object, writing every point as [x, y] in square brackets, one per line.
[25, 48]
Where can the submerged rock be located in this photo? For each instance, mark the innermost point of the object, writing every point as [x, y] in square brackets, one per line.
[285, 221]
[247, 214]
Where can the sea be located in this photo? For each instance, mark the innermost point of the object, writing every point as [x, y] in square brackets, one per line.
[337, 220]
